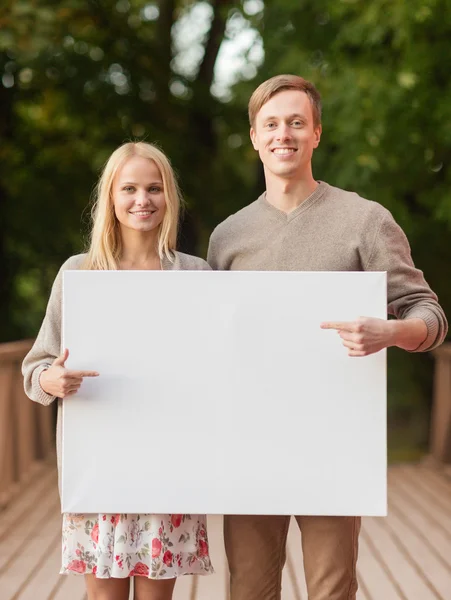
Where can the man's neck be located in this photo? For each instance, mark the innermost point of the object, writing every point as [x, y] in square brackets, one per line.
[288, 194]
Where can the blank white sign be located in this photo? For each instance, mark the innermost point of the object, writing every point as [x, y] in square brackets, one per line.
[219, 393]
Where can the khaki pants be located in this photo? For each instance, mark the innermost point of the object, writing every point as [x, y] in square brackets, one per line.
[255, 547]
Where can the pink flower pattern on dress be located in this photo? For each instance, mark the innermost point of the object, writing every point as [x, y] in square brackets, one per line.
[146, 545]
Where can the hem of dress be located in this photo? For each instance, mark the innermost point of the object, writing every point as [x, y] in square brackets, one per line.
[182, 574]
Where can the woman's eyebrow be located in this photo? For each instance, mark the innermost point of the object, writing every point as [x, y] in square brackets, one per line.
[134, 183]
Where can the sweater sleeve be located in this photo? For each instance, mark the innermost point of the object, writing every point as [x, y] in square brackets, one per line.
[409, 295]
[188, 262]
[213, 254]
[47, 345]
[199, 264]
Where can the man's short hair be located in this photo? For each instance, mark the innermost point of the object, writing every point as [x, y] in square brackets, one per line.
[280, 83]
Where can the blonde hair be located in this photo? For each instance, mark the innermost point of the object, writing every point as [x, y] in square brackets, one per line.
[105, 245]
[280, 83]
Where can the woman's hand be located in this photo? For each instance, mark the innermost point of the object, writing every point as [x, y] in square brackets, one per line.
[61, 382]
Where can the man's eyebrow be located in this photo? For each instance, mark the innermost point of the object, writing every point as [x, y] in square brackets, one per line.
[297, 115]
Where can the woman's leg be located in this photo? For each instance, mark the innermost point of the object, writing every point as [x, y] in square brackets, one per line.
[107, 589]
[153, 589]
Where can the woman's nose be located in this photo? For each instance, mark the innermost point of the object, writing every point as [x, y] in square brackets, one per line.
[142, 198]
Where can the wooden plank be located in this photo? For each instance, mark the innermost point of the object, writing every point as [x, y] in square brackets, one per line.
[423, 497]
[404, 557]
[374, 577]
[28, 529]
[43, 580]
[69, 587]
[419, 520]
[291, 589]
[45, 479]
[443, 350]
[32, 553]
[25, 429]
[185, 588]
[7, 466]
[440, 444]
[15, 351]
[422, 504]
[72, 587]
[399, 564]
[362, 593]
[293, 579]
[46, 434]
[437, 575]
[438, 479]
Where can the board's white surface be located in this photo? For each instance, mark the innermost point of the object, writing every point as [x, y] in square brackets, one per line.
[219, 393]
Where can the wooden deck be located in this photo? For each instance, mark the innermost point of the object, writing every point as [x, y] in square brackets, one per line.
[406, 556]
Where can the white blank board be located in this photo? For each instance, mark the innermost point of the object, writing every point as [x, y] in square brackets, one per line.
[219, 393]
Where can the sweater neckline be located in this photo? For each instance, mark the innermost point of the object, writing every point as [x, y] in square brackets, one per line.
[317, 193]
[166, 264]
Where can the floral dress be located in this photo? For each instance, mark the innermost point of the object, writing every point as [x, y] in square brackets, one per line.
[154, 546]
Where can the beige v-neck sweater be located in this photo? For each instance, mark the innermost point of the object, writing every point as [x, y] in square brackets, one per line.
[332, 230]
[47, 345]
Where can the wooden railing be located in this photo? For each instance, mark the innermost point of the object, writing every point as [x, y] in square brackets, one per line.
[440, 445]
[26, 428]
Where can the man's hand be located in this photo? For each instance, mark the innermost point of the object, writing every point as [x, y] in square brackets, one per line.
[364, 336]
[61, 382]
[368, 335]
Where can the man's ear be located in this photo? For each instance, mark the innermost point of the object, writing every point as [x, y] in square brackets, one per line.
[318, 132]
[253, 138]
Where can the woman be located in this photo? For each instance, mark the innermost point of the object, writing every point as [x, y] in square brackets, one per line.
[135, 219]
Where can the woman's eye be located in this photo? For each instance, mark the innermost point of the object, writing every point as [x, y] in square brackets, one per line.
[155, 189]
[128, 188]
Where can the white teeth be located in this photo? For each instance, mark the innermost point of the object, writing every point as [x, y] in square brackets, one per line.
[283, 150]
[142, 213]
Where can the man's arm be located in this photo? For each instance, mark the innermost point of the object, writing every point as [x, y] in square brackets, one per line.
[420, 323]
[368, 335]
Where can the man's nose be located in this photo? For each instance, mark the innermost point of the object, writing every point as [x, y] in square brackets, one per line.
[283, 133]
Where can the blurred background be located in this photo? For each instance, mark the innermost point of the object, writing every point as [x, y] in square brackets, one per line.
[78, 78]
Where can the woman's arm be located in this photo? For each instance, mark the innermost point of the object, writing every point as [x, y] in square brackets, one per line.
[45, 375]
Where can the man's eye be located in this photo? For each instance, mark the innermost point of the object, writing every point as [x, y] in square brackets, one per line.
[297, 123]
[270, 125]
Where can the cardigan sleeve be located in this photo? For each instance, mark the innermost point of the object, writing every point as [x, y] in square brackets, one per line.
[47, 346]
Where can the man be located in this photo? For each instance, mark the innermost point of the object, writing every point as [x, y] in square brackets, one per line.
[300, 224]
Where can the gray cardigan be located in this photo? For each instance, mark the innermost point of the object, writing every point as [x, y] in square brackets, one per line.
[47, 345]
